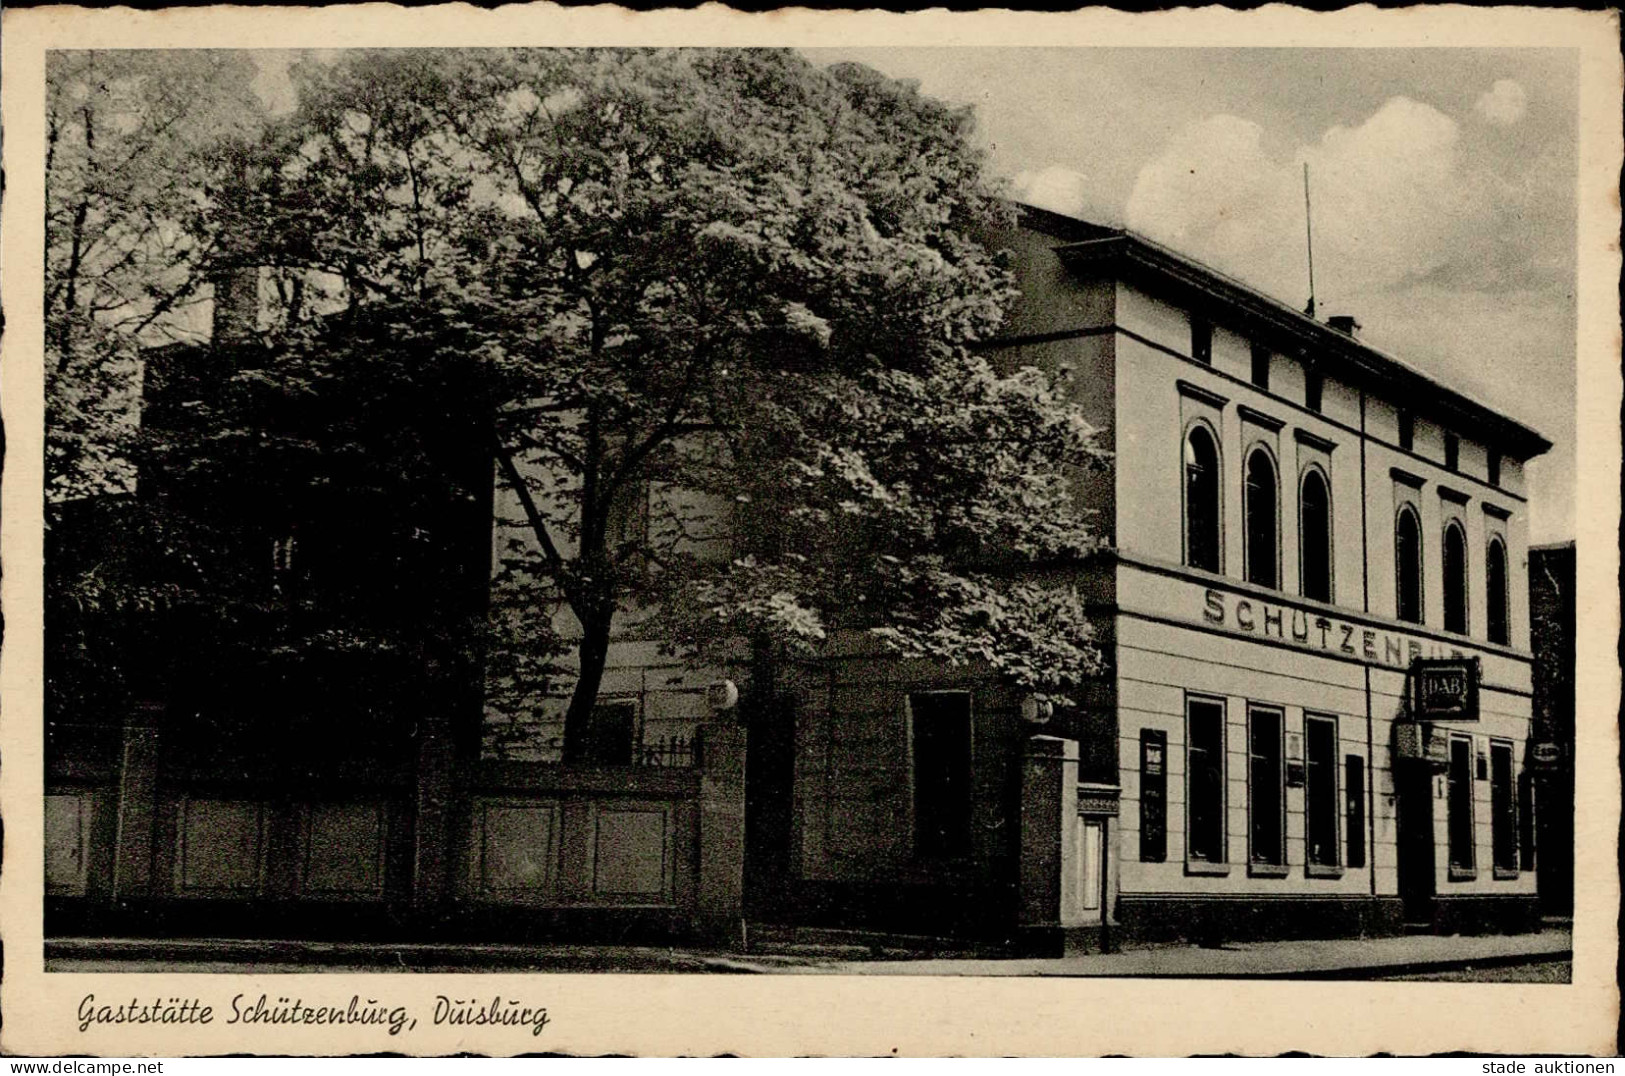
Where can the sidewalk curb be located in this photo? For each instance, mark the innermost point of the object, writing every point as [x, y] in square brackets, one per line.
[1376, 971]
[295, 955]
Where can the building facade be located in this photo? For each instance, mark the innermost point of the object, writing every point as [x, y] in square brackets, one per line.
[1299, 524]
[1297, 519]
[1551, 629]
[1314, 717]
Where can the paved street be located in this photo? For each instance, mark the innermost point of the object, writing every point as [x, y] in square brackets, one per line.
[1525, 958]
[1353, 958]
[1553, 971]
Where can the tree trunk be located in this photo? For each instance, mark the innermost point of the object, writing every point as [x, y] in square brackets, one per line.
[593, 653]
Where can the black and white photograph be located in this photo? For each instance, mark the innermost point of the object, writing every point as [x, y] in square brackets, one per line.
[811, 515]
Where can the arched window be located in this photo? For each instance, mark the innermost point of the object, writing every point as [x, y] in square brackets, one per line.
[1408, 566]
[1495, 571]
[1262, 556]
[1201, 500]
[1315, 536]
[1455, 579]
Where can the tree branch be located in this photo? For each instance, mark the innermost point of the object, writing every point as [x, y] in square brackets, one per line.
[533, 515]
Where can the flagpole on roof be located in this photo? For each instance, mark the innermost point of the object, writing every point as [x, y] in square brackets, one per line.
[1309, 235]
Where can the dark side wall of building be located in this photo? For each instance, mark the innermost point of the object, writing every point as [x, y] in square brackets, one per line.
[1551, 629]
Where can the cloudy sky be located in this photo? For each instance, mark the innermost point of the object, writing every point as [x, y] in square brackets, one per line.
[1443, 184]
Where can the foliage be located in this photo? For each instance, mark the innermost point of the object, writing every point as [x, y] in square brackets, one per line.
[132, 141]
[722, 308]
[741, 281]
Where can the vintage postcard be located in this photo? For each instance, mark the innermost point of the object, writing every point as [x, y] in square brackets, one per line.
[580, 531]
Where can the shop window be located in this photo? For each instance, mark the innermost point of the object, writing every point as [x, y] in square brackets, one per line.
[1201, 500]
[1459, 805]
[1315, 536]
[1320, 790]
[1407, 431]
[1261, 367]
[1204, 769]
[1313, 386]
[1495, 573]
[1202, 341]
[607, 737]
[1452, 452]
[1408, 566]
[1153, 796]
[1503, 809]
[1455, 579]
[1262, 552]
[1354, 795]
[940, 743]
[1495, 468]
[1266, 791]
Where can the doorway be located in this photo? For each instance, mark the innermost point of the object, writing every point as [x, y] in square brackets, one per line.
[770, 740]
[1413, 788]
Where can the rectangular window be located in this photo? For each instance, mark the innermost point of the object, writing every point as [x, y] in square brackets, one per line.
[1495, 468]
[1313, 386]
[1266, 791]
[1202, 341]
[1153, 796]
[1320, 791]
[1354, 794]
[282, 550]
[1526, 821]
[1452, 452]
[940, 742]
[1503, 809]
[1460, 804]
[1407, 431]
[607, 738]
[1204, 769]
[1261, 367]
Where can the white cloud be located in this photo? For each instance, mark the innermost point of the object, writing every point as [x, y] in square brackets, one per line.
[1503, 103]
[1439, 257]
[1056, 188]
[1390, 200]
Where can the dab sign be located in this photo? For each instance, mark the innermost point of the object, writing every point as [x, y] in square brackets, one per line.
[1445, 689]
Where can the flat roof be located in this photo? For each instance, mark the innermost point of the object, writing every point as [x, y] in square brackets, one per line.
[1088, 243]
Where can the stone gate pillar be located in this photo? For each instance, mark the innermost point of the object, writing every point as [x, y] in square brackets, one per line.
[433, 802]
[720, 896]
[1050, 904]
[137, 802]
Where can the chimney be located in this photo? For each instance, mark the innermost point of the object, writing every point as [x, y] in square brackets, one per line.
[236, 303]
[1345, 324]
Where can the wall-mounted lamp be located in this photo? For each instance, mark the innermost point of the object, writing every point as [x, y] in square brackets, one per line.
[1036, 711]
[721, 696]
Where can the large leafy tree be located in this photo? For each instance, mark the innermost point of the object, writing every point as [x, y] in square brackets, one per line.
[134, 144]
[733, 277]
[135, 140]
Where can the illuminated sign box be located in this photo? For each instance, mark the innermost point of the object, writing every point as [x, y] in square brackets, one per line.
[1445, 689]
[1548, 755]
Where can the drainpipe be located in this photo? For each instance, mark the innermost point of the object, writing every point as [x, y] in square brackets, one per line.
[1370, 745]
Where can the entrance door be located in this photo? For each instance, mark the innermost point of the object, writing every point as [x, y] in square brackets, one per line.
[1413, 786]
[770, 740]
